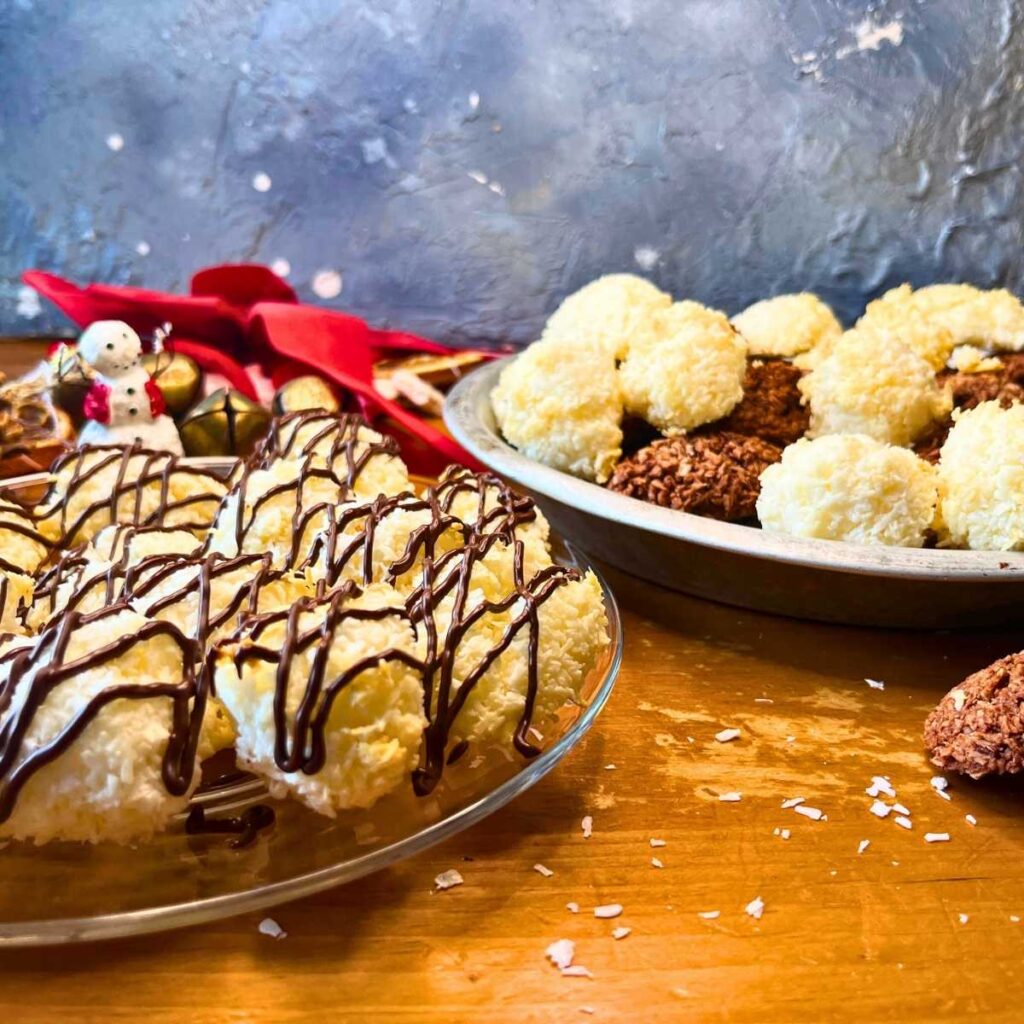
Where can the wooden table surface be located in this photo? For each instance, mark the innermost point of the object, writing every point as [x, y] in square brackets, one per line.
[906, 930]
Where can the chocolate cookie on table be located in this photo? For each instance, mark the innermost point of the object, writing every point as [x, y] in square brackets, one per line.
[772, 407]
[978, 727]
[710, 474]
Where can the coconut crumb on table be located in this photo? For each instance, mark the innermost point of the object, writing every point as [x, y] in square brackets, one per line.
[268, 926]
[875, 684]
[587, 824]
[964, 918]
[576, 971]
[448, 880]
[936, 837]
[730, 798]
[561, 953]
[755, 908]
[900, 809]
[814, 813]
[573, 907]
[940, 785]
[970, 819]
[792, 802]
[903, 821]
[655, 843]
[621, 932]
[726, 735]
[542, 870]
[880, 785]
[608, 910]
[863, 845]
[709, 915]
[880, 809]
[656, 863]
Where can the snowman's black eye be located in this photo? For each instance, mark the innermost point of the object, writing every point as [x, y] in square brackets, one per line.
[131, 391]
[110, 344]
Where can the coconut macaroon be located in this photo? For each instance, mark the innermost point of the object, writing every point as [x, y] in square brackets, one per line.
[365, 462]
[97, 736]
[494, 692]
[204, 597]
[874, 384]
[278, 509]
[93, 575]
[606, 314]
[562, 405]
[981, 478]
[327, 697]
[689, 370]
[992, 319]
[16, 590]
[97, 485]
[852, 488]
[23, 547]
[787, 325]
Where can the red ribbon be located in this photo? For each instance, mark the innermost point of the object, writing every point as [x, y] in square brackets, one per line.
[246, 312]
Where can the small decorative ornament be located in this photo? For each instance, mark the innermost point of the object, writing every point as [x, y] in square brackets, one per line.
[122, 404]
[224, 423]
[177, 376]
[303, 393]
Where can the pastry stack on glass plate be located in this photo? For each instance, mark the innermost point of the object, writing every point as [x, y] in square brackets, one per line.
[343, 633]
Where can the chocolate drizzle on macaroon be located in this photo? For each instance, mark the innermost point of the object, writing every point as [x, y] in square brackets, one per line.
[26, 671]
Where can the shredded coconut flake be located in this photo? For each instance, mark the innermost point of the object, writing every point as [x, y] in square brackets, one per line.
[448, 880]
[1015, 919]
[730, 798]
[784, 833]
[970, 819]
[792, 802]
[609, 767]
[268, 926]
[607, 910]
[541, 870]
[588, 826]
[576, 971]
[880, 785]
[863, 845]
[755, 908]
[561, 953]
[903, 821]
[880, 809]
[900, 809]
[655, 843]
[727, 734]
[573, 907]
[936, 837]
[621, 932]
[875, 684]
[709, 915]
[964, 918]
[656, 863]
[810, 812]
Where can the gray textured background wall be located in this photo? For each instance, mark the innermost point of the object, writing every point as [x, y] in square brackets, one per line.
[458, 167]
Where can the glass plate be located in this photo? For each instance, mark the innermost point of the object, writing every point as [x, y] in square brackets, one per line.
[76, 892]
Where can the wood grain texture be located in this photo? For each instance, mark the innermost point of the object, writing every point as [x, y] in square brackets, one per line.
[844, 937]
[874, 936]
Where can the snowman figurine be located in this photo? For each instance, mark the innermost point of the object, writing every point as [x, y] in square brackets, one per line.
[123, 404]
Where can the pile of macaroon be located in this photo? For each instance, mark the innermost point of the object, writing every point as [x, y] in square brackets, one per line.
[312, 611]
[906, 429]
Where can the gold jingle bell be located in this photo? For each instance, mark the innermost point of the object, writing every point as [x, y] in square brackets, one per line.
[224, 423]
[177, 376]
[302, 393]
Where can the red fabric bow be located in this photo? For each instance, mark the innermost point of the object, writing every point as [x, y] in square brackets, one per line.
[245, 312]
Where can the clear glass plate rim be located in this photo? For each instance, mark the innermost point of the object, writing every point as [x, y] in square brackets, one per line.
[168, 917]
